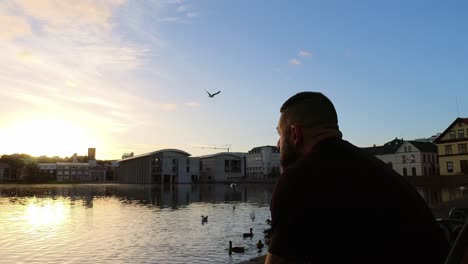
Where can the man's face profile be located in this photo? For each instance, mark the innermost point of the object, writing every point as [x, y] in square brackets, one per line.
[288, 153]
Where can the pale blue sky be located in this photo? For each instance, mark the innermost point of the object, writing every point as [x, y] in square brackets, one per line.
[129, 76]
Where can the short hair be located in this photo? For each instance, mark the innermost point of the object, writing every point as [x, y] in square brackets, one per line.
[310, 109]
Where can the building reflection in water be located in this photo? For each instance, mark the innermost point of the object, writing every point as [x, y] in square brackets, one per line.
[173, 196]
[437, 195]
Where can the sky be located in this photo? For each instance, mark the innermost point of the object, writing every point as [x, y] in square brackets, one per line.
[130, 76]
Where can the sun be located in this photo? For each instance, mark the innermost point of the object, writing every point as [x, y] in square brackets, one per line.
[48, 136]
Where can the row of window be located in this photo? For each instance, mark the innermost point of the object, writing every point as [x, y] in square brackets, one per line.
[412, 159]
[72, 172]
[461, 149]
[461, 133]
[62, 167]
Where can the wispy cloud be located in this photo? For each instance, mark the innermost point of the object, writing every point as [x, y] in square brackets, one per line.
[180, 12]
[12, 27]
[167, 106]
[192, 104]
[191, 14]
[294, 61]
[183, 8]
[304, 53]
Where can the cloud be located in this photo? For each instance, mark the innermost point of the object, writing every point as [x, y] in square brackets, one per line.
[294, 61]
[304, 53]
[191, 14]
[182, 8]
[172, 19]
[59, 16]
[167, 106]
[12, 27]
[192, 104]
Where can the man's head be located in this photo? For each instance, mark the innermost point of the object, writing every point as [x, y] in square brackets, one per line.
[306, 119]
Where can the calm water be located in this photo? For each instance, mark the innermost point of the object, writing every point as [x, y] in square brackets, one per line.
[114, 223]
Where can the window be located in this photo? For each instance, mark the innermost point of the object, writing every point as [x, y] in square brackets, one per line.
[449, 166]
[406, 149]
[403, 159]
[462, 148]
[226, 166]
[188, 169]
[448, 150]
[405, 172]
[424, 157]
[461, 133]
[409, 148]
[413, 159]
[173, 161]
[452, 134]
[413, 171]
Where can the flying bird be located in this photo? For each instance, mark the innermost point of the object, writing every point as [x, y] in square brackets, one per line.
[212, 95]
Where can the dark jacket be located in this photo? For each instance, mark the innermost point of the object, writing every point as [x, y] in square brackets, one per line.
[342, 205]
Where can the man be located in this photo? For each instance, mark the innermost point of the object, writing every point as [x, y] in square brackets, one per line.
[336, 203]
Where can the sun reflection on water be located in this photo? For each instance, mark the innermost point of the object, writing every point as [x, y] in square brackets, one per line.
[45, 212]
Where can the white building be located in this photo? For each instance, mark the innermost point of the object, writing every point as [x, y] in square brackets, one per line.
[72, 171]
[162, 166]
[263, 162]
[222, 167]
[408, 158]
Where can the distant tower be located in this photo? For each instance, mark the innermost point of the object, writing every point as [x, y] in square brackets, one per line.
[92, 153]
[92, 156]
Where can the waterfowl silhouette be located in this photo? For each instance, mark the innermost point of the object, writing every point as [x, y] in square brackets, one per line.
[259, 245]
[245, 235]
[212, 95]
[235, 249]
[204, 219]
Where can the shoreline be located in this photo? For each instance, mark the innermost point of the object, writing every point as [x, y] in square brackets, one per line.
[256, 260]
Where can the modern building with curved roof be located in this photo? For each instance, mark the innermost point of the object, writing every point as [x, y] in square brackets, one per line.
[164, 166]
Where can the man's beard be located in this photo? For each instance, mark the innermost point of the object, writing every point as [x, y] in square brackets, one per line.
[289, 155]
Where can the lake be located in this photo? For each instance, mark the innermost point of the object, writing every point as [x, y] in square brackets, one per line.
[115, 223]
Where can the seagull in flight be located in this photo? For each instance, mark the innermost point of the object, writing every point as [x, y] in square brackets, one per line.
[212, 95]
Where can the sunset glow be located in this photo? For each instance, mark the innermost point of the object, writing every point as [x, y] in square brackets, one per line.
[131, 76]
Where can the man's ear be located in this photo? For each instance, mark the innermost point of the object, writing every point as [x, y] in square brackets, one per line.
[297, 135]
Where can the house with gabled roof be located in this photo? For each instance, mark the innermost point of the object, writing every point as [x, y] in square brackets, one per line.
[452, 147]
[408, 157]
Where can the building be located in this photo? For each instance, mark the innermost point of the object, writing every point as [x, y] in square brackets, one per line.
[97, 173]
[165, 166]
[221, 167]
[50, 169]
[127, 155]
[452, 147]
[263, 162]
[72, 171]
[5, 172]
[408, 157]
